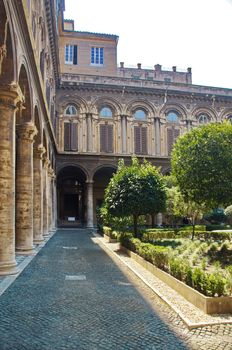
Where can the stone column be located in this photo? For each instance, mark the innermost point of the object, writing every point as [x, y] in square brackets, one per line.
[89, 133]
[89, 204]
[159, 219]
[124, 134]
[38, 195]
[50, 197]
[24, 187]
[45, 196]
[188, 124]
[54, 224]
[157, 136]
[9, 96]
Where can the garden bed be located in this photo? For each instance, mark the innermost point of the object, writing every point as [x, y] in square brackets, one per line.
[210, 305]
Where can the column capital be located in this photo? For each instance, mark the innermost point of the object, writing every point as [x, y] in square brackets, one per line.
[51, 172]
[46, 162]
[10, 95]
[39, 151]
[27, 132]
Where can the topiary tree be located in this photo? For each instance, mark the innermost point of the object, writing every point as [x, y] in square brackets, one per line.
[202, 165]
[135, 190]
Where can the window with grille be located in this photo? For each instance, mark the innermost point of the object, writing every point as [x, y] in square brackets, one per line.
[172, 117]
[106, 138]
[139, 114]
[97, 55]
[70, 137]
[106, 112]
[140, 139]
[172, 135]
[70, 54]
[70, 110]
[203, 119]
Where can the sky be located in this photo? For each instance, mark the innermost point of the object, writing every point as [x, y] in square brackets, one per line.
[182, 33]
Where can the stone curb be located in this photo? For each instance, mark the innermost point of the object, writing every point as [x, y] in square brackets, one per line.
[187, 322]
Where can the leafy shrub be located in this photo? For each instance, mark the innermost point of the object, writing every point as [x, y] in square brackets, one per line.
[217, 227]
[197, 228]
[151, 235]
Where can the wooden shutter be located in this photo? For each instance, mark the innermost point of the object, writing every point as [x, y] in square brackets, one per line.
[176, 134]
[75, 54]
[103, 138]
[137, 139]
[172, 135]
[106, 138]
[74, 137]
[110, 134]
[143, 140]
[67, 136]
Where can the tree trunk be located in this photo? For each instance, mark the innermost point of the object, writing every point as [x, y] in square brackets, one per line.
[193, 231]
[152, 220]
[135, 216]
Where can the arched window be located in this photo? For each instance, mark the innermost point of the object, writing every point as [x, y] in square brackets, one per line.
[203, 118]
[229, 118]
[172, 117]
[139, 114]
[106, 112]
[70, 110]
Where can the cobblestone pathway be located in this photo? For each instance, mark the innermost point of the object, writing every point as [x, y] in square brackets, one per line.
[75, 296]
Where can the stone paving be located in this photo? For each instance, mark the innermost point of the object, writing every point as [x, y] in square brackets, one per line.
[75, 296]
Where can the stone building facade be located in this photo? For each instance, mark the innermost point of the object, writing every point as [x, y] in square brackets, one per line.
[68, 113]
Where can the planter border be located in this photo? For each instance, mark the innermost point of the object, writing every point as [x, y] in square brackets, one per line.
[108, 239]
[209, 305]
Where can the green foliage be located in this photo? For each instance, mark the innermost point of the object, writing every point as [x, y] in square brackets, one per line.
[218, 227]
[135, 190]
[202, 164]
[210, 284]
[228, 213]
[217, 216]
[179, 206]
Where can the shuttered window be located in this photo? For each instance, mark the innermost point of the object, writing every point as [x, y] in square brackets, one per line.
[106, 138]
[172, 135]
[140, 139]
[70, 137]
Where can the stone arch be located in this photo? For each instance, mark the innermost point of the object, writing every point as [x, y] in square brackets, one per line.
[140, 104]
[106, 102]
[77, 101]
[174, 107]
[204, 110]
[8, 62]
[101, 177]
[24, 114]
[225, 114]
[70, 164]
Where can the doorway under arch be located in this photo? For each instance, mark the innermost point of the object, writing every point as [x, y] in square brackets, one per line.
[71, 189]
[101, 179]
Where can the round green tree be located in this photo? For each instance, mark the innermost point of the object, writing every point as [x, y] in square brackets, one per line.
[202, 164]
[135, 190]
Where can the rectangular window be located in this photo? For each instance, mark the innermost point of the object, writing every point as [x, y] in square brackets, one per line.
[70, 137]
[172, 135]
[70, 54]
[97, 55]
[140, 139]
[106, 138]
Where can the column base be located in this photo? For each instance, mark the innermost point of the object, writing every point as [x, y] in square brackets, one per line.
[25, 251]
[8, 269]
[38, 240]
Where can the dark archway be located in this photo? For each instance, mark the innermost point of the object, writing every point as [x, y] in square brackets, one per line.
[71, 189]
[101, 179]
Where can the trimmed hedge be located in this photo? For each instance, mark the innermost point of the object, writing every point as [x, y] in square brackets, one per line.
[218, 227]
[153, 235]
[209, 284]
